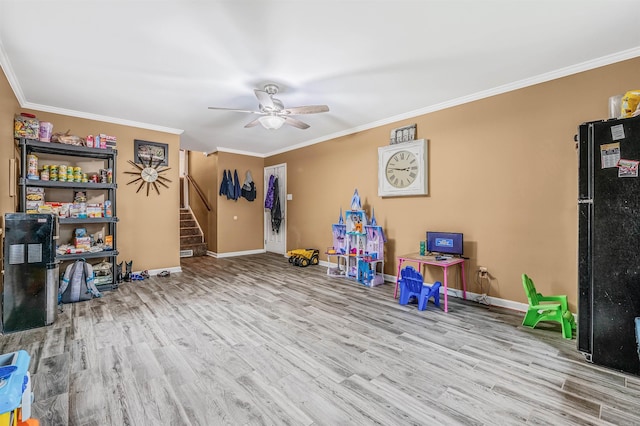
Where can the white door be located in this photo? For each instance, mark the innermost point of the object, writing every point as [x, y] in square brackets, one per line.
[276, 242]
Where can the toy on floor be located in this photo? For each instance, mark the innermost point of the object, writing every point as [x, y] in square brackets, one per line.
[547, 308]
[412, 285]
[15, 390]
[358, 246]
[304, 257]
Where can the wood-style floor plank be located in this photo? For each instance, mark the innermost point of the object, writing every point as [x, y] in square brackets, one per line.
[255, 340]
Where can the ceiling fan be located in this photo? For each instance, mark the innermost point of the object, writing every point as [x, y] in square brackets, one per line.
[272, 112]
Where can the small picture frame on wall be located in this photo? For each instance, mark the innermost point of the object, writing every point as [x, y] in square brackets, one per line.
[145, 151]
[403, 134]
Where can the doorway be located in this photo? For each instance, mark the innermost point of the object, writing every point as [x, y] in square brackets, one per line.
[276, 241]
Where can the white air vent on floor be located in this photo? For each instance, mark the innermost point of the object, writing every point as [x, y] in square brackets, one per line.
[186, 253]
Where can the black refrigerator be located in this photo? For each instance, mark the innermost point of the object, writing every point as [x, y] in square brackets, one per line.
[30, 279]
[609, 243]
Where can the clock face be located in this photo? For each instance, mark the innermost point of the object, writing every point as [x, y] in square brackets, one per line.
[149, 174]
[402, 169]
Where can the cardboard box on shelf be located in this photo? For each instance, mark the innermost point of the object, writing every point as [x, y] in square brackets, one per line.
[94, 210]
[82, 243]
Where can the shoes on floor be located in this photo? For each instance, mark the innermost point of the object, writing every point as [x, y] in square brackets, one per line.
[145, 274]
[164, 274]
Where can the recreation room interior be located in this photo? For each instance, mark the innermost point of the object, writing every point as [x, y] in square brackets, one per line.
[238, 334]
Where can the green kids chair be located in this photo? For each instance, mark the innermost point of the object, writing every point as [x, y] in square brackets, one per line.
[547, 308]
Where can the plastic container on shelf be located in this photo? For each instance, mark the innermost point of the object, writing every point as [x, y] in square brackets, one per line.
[107, 209]
[26, 126]
[32, 166]
[615, 106]
[46, 129]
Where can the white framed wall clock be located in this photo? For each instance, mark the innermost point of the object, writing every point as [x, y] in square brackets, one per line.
[402, 169]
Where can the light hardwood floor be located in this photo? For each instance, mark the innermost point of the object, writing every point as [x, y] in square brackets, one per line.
[255, 340]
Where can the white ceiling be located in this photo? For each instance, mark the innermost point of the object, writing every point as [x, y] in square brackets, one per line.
[160, 64]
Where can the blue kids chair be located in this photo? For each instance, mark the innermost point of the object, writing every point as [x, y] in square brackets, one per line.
[412, 285]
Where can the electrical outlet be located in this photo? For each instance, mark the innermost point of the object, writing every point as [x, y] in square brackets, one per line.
[483, 271]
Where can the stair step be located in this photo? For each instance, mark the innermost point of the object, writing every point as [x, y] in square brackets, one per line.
[189, 231]
[188, 223]
[190, 239]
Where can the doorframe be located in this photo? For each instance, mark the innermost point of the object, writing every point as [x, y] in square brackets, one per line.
[282, 186]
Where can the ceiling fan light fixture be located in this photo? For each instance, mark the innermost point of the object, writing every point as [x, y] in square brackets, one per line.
[271, 122]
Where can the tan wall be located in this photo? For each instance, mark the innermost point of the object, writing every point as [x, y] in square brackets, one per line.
[240, 223]
[148, 228]
[8, 107]
[502, 170]
[203, 169]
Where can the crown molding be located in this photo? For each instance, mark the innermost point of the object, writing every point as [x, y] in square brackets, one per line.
[97, 117]
[237, 151]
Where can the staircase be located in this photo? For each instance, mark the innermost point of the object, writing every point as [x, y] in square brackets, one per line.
[191, 238]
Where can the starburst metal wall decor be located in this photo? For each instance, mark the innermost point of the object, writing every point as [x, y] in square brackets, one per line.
[149, 173]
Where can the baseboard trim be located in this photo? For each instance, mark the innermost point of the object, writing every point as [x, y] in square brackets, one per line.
[235, 253]
[455, 292]
[490, 300]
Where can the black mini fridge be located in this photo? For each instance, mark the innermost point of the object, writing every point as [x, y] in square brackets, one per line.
[31, 273]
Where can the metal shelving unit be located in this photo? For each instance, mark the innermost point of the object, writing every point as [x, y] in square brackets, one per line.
[68, 152]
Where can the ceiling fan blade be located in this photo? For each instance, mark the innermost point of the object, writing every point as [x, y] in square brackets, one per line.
[295, 122]
[309, 109]
[265, 99]
[236, 110]
[253, 123]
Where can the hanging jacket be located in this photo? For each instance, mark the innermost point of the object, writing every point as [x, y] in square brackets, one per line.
[236, 185]
[248, 190]
[247, 180]
[276, 212]
[229, 191]
[268, 198]
[223, 184]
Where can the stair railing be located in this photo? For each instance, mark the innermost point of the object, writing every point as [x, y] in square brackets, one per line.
[199, 192]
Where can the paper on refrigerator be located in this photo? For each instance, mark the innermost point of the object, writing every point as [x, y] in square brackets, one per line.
[610, 155]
